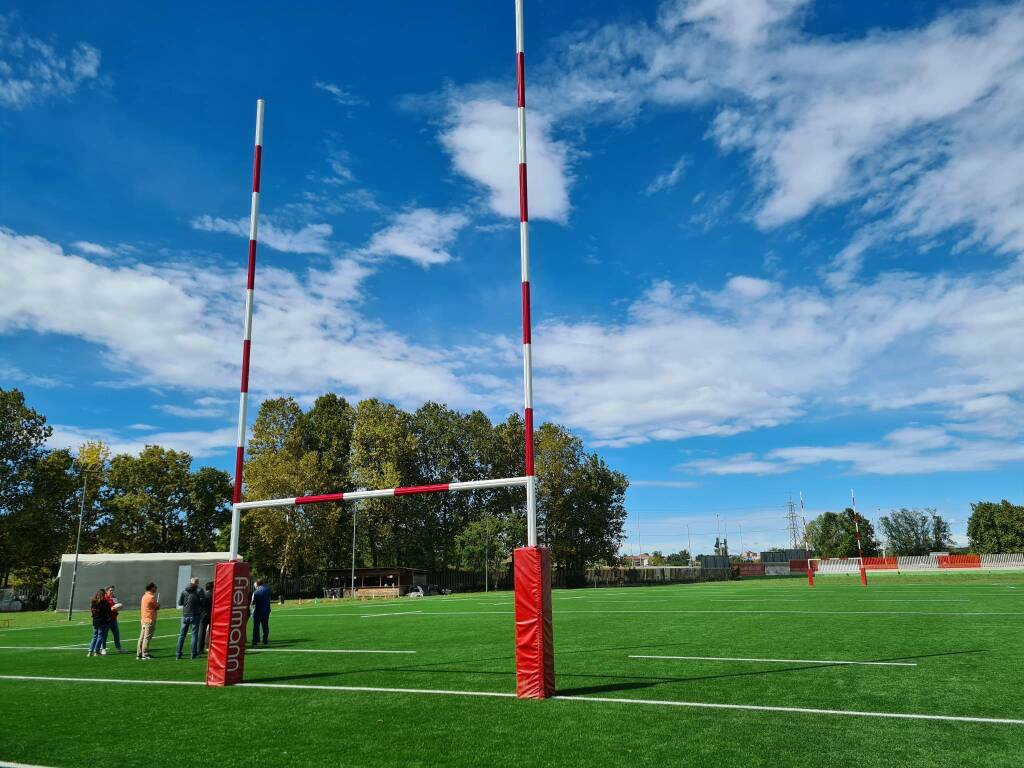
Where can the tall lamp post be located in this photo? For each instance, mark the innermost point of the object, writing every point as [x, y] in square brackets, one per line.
[78, 542]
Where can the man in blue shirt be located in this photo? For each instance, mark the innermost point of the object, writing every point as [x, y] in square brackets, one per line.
[260, 612]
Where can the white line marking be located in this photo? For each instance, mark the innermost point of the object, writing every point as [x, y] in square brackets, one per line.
[397, 613]
[320, 650]
[785, 661]
[914, 600]
[796, 710]
[503, 695]
[79, 625]
[807, 613]
[5, 764]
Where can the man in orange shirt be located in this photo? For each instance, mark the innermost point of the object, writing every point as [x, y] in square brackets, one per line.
[149, 609]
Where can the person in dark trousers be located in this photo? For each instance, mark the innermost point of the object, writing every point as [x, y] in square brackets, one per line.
[100, 608]
[191, 612]
[260, 612]
[204, 621]
[115, 630]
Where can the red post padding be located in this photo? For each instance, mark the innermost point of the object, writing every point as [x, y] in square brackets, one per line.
[535, 648]
[226, 661]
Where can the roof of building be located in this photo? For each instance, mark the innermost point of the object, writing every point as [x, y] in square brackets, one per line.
[106, 557]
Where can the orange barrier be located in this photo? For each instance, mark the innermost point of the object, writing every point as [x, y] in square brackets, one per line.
[959, 561]
[880, 564]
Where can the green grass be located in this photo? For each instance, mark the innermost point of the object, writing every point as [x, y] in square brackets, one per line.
[965, 632]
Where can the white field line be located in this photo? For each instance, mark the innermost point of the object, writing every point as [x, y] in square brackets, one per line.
[913, 600]
[806, 613]
[6, 764]
[320, 650]
[785, 661]
[79, 625]
[396, 613]
[503, 695]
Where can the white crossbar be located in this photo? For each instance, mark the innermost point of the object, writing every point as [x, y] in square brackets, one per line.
[408, 490]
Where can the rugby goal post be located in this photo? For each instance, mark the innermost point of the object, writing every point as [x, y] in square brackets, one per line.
[535, 670]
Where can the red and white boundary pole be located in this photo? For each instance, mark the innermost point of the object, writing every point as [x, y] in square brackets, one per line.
[860, 548]
[243, 398]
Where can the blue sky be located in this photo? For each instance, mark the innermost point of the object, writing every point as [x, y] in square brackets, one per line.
[776, 243]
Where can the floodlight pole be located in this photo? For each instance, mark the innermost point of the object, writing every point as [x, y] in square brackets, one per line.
[78, 543]
[860, 548]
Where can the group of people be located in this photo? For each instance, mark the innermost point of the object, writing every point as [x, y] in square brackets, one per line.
[196, 608]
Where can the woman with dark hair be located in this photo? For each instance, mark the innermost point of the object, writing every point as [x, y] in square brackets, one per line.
[100, 608]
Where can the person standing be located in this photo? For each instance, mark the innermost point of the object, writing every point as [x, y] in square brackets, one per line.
[150, 606]
[100, 609]
[260, 612]
[191, 600]
[115, 630]
[204, 621]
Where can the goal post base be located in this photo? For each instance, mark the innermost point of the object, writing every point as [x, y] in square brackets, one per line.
[225, 663]
[535, 649]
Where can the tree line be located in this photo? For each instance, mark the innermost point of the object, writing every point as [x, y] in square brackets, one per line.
[157, 501]
[335, 445]
[152, 502]
[991, 528]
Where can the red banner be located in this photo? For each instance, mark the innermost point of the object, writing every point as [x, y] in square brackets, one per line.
[226, 661]
[535, 648]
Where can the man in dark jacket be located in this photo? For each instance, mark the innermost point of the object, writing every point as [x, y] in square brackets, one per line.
[204, 622]
[191, 600]
[260, 612]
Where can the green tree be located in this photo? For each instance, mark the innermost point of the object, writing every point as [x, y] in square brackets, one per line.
[682, 557]
[915, 531]
[832, 534]
[208, 509]
[146, 501]
[580, 508]
[996, 528]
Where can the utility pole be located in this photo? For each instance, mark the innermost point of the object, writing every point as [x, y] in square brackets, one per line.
[78, 543]
[803, 522]
[689, 545]
[792, 523]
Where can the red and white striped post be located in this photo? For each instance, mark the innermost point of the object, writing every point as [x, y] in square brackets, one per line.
[860, 548]
[243, 398]
[226, 660]
[535, 658]
[803, 519]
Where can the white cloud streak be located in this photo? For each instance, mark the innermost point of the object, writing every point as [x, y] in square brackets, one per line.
[32, 71]
[421, 235]
[311, 238]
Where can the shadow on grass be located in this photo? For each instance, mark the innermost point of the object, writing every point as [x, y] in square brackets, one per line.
[284, 678]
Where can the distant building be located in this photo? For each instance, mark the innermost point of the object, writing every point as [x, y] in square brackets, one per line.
[751, 557]
[637, 561]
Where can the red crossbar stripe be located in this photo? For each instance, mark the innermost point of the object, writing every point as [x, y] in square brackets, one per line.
[521, 78]
[410, 489]
[524, 214]
[256, 168]
[321, 498]
[239, 462]
[526, 312]
[528, 418]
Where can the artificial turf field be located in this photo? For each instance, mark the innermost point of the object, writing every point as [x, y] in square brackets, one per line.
[955, 643]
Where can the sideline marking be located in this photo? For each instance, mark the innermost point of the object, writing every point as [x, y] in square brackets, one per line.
[5, 764]
[319, 650]
[396, 613]
[784, 661]
[79, 625]
[503, 695]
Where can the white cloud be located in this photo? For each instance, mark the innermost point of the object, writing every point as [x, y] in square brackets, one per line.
[32, 71]
[175, 326]
[192, 412]
[755, 354]
[668, 179]
[311, 238]
[922, 127]
[199, 444]
[93, 249]
[421, 235]
[482, 138]
[910, 451]
[341, 95]
[662, 484]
